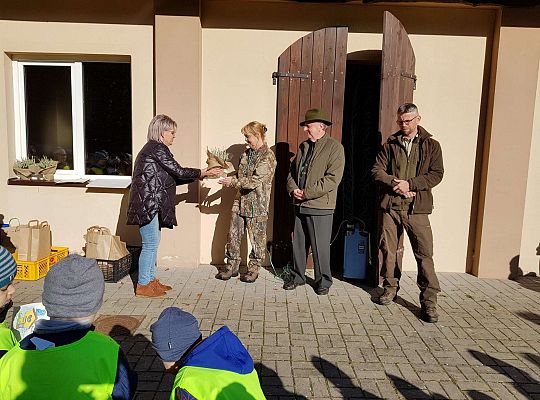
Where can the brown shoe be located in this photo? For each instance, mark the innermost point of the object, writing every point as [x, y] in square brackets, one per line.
[161, 285]
[429, 313]
[226, 274]
[150, 290]
[388, 296]
[249, 277]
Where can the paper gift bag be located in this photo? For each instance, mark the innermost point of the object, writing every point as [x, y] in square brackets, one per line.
[33, 241]
[103, 245]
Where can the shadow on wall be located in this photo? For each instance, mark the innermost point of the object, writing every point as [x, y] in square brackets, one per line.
[128, 233]
[529, 281]
[222, 209]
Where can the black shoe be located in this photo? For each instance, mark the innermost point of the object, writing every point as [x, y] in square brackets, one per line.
[291, 285]
[322, 291]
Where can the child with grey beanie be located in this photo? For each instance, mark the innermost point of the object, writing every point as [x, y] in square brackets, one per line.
[64, 357]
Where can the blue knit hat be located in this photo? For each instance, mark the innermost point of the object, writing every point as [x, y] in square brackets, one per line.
[8, 267]
[174, 333]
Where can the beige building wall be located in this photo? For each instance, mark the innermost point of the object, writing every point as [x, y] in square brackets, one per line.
[237, 88]
[510, 215]
[450, 72]
[71, 210]
[529, 260]
[178, 94]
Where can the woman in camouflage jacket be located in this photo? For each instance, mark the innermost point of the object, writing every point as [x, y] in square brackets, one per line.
[250, 208]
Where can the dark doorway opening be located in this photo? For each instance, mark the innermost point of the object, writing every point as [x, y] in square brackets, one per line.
[361, 139]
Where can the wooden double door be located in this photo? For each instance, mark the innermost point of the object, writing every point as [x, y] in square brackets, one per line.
[312, 74]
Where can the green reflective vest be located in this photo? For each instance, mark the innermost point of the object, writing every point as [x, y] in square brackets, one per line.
[7, 339]
[216, 384]
[85, 369]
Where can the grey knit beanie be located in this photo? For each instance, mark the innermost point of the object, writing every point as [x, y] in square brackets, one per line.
[73, 288]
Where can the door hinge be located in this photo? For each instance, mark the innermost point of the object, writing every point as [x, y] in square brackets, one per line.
[410, 76]
[276, 75]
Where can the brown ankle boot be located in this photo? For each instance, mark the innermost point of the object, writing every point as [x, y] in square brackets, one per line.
[227, 273]
[150, 290]
[161, 285]
[249, 277]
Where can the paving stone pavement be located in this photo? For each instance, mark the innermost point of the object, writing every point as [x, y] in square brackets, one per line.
[343, 346]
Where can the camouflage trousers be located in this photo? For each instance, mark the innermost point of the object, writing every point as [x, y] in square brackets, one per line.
[256, 230]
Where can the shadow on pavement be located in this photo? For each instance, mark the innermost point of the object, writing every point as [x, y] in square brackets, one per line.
[272, 385]
[522, 381]
[529, 281]
[342, 381]
[153, 380]
[529, 316]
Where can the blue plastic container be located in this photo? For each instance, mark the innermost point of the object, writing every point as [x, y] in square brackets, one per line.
[355, 255]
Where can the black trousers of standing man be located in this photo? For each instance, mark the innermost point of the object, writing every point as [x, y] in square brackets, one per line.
[314, 231]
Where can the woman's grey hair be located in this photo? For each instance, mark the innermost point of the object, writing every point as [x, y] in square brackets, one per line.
[159, 124]
[407, 108]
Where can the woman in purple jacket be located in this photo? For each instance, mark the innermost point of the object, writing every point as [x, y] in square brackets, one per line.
[151, 204]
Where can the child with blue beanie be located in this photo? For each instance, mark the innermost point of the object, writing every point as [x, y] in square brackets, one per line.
[8, 270]
[218, 367]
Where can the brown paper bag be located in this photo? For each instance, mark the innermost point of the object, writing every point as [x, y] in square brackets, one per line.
[33, 241]
[103, 245]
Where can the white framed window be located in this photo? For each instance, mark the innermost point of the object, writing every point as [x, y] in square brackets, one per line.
[78, 113]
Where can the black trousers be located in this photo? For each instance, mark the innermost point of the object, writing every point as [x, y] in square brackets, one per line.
[313, 231]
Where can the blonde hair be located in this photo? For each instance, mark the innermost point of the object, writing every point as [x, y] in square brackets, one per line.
[256, 129]
[159, 124]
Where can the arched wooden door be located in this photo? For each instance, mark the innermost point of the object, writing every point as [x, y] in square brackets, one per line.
[397, 73]
[311, 74]
[398, 82]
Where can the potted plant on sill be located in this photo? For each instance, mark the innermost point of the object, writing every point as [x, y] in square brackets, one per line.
[29, 169]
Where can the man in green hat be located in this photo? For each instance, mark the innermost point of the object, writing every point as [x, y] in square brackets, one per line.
[313, 183]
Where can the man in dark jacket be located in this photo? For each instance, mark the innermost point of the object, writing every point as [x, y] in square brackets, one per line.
[313, 183]
[408, 166]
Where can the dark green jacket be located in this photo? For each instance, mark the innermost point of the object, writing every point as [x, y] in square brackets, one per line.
[324, 173]
[429, 174]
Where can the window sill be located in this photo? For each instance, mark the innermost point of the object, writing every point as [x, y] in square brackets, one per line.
[67, 183]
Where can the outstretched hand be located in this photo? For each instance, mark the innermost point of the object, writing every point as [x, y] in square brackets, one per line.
[211, 172]
[225, 181]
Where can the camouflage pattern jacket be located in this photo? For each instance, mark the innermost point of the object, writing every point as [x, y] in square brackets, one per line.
[254, 182]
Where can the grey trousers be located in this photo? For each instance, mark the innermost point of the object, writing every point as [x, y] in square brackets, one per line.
[418, 229]
[314, 231]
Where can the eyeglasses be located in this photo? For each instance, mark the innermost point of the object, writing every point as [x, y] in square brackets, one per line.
[406, 121]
